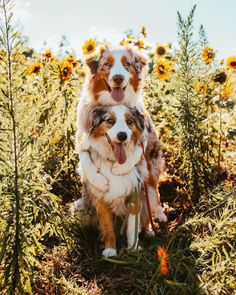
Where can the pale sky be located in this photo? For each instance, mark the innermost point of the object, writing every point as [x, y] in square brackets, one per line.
[48, 20]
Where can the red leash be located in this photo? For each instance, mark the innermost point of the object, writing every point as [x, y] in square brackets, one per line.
[147, 197]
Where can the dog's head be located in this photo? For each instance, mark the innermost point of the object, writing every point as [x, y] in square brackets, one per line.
[118, 126]
[116, 72]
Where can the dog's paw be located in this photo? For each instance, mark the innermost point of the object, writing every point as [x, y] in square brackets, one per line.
[160, 215]
[108, 252]
[101, 183]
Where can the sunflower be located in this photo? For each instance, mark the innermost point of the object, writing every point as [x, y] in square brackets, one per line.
[231, 62]
[48, 55]
[130, 37]
[208, 55]
[201, 88]
[144, 32]
[139, 44]
[162, 69]
[66, 69]
[226, 91]
[125, 42]
[89, 46]
[75, 64]
[70, 58]
[220, 78]
[34, 69]
[160, 50]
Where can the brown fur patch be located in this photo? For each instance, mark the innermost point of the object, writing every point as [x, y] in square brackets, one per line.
[99, 82]
[102, 122]
[153, 155]
[105, 219]
[135, 131]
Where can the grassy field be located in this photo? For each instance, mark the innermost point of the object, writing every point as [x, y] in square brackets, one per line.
[191, 96]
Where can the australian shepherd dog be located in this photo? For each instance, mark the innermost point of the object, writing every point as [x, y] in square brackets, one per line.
[114, 130]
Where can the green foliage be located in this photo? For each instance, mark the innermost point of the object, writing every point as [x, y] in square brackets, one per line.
[28, 207]
[194, 116]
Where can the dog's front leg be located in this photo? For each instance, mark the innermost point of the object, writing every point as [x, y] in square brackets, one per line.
[131, 227]
[105, 219]
[89, 171]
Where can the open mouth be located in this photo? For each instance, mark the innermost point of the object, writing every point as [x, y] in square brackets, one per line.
[119, 152]
[117, 93]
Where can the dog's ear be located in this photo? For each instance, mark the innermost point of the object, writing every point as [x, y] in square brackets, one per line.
[139, 62]
[93, 64]
[97, 117]
[138, 118]
[93, 61]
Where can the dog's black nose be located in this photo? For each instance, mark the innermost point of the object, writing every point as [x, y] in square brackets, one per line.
[118, 79]
[122, 136]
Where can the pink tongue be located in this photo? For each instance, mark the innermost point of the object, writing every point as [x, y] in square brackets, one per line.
[119, 153]
[117, 94]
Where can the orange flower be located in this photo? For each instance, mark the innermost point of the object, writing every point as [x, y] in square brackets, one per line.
[164, 268]
[162, 256]
[162, 253]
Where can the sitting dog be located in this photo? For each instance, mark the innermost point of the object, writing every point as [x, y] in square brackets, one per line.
[116, 76]
[114, 134]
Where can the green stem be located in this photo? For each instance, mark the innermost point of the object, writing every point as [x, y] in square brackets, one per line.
[15, 272]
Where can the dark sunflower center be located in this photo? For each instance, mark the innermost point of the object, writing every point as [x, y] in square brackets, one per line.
[233, 63]
[65, 71]
[161, 50]
[90, 47]
[161, 69]
[210, 55]
[220, 78]
[36, 69]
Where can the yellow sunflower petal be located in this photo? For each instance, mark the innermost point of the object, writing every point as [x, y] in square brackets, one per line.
[208, 55]
[89, 46]
[231, 62]
[162, 69]
[160, 50]
[66, 69]
[34, 69]
[201, 88]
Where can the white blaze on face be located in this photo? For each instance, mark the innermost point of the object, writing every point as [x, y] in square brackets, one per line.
[118, 71]
[118, 68]
[119, 126]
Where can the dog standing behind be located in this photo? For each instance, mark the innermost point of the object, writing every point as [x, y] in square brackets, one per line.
[116, 76]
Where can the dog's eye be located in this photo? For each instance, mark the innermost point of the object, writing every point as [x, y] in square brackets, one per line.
[111, 121]
[129, 122]
[127, 64]
[108, 65]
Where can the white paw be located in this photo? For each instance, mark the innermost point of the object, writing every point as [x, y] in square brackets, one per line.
[109, 252]
[159, 213]
[101, 183]
[118, 169]
[162, 217]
